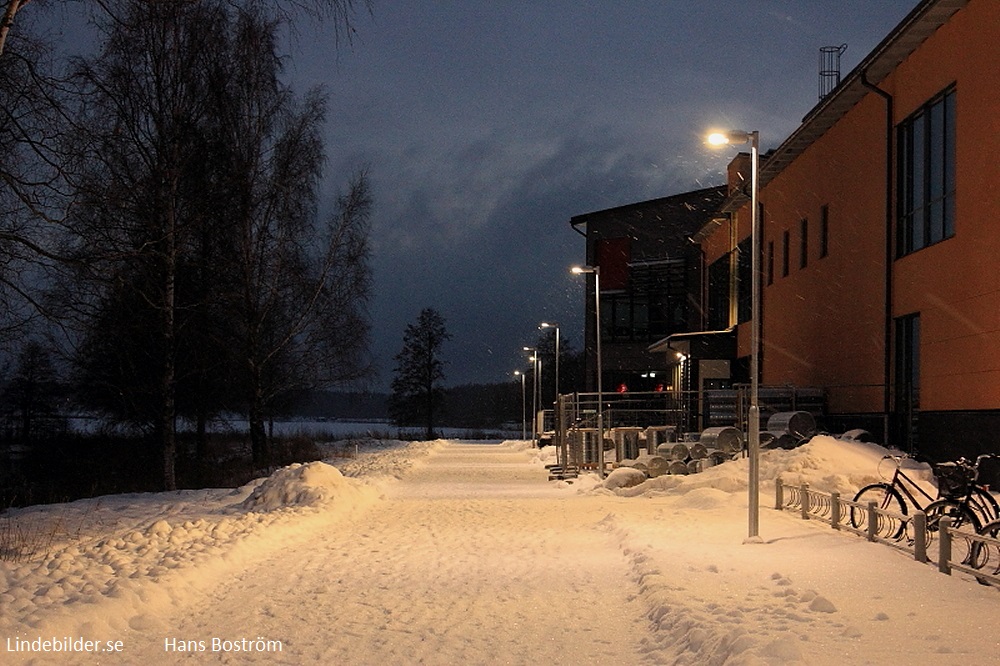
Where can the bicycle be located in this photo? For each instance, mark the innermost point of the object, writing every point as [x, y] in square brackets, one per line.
[959, 497]
[960, 480]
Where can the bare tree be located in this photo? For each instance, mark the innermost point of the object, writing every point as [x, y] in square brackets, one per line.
[144, 103]
[341, 12]
[299, 288]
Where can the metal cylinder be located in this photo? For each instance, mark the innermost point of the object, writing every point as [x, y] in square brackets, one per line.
[800, 424]
[722, 438]
[678, 467]
[673, 451]
[698, 451]
[654, 466]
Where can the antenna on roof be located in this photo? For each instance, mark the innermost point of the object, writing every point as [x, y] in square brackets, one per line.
[829, 68]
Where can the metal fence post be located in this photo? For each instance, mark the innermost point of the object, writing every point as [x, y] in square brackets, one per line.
[944, 545]
[920, 536]
[872, 521]
[835, 510]
[804, 491]
[779, 494]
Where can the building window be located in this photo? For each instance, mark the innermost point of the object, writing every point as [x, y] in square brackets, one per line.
[803, 242]
[718, 294]
[785, 242]
[653, 304]
[744, 280]
[926, 188]
[824, 231]
[770, 262]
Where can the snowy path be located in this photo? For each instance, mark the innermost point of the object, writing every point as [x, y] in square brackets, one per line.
[451, 553]
[470, 559]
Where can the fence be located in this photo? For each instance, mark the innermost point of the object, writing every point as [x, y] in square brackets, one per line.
[975, 554]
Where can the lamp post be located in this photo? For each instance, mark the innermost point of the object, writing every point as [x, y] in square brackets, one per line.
[596, 270]
[544, 325]
[524, 427]
[535, 369]
[753, 416]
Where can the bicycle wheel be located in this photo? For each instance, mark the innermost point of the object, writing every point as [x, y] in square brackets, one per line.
[962, 517]
[982, 502]
[886, 498]
[986, 555]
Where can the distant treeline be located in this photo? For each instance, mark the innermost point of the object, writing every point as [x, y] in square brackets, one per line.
[466, 406]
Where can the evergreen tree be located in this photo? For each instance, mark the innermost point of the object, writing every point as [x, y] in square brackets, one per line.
[417, 394]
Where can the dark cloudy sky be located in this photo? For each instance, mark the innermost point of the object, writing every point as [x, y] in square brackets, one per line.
[487, 124]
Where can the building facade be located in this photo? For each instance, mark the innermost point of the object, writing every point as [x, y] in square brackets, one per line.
[879, 252]
[651, 284]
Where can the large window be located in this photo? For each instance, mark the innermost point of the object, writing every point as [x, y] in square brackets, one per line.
[824, 231]
[926, 188]
[744, 281]
[653, 304]
[718, 294]
[803, 242]
[785, 250]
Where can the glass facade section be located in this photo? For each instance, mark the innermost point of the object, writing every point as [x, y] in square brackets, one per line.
[926, 187]
[653, 304]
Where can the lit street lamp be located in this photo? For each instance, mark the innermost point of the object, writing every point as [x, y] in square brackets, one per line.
[544, 325]
[753, 417]
[536, 368]
[524, 427]
[596, 270]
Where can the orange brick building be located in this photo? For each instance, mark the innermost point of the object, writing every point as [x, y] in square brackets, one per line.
[880, 277]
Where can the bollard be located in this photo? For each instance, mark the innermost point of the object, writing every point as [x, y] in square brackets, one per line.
[920, 536]
[872, 521]
[944, 545]
[779, 494]
[835, 510]
[804, 494]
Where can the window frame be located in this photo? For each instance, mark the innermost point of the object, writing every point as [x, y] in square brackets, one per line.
[926, 174]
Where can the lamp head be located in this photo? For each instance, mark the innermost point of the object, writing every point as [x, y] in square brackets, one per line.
[727, 137]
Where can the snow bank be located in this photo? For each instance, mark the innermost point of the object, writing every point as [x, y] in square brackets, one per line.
[827, 464]
[110, 564]
[302, 485]
[387, 460]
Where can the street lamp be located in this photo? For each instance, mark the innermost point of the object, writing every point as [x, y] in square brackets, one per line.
[536, 368]
[557, 415]
[753, 417]
[544, 325]
[524, 428]
[596, 270]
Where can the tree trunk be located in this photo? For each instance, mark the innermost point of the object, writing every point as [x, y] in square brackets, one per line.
[259, 445]
[168, 422]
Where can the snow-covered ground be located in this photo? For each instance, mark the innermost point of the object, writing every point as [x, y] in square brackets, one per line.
[452, 552]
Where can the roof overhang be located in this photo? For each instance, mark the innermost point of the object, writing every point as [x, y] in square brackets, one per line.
[911, 32]
[667, 344]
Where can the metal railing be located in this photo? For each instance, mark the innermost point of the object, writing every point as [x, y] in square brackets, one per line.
[974, 554]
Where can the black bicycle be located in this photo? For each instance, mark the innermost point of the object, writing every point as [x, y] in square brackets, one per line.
[959, 497]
